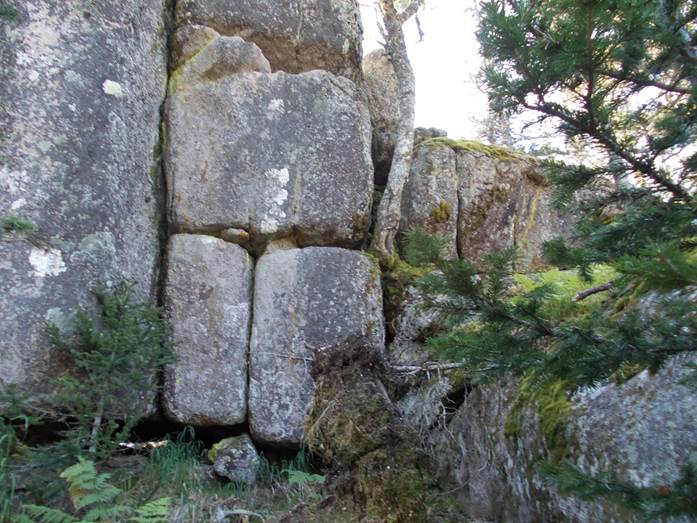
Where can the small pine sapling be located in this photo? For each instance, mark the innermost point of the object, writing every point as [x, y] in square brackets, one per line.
[113, 358]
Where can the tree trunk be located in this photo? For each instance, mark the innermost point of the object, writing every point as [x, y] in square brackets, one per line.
[384, 243]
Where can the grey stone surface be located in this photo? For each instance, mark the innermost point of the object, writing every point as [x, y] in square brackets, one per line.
[380, 84]
[643, 431]
[481, 199]
[277, 155]
[202, 55]
[295, 35]
[208, 302]
[411, 326]
[305, 299]
[81, 86]
[236, 459]
[430, 198]
[505, 202]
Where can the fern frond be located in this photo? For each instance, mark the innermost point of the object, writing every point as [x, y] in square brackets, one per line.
[39, 514]
[101, 514]
[103, 495]
[156, 511]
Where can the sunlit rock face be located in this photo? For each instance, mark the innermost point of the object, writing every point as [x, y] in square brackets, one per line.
[276, 155]
[208, 301]
[295, 35]
[481, 198]
[81, 86]
[305, 300]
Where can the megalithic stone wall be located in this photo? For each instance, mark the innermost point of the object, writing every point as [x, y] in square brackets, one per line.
[81, 86]
[274, 161]
[208, 297]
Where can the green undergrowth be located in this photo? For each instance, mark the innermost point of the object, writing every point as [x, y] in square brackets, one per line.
[468, 146]
[566, 285]
[12, 223]
[180, 470]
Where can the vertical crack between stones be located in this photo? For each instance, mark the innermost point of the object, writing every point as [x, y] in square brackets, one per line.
[458, 234]
[168, 13]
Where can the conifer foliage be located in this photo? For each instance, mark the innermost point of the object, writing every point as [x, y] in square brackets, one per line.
[619, 77]
[113, 359]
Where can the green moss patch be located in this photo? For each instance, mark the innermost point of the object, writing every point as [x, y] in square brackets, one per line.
[469, 146]
[395, 284]
[550, 404]
[566, 285]
[442, 213]
[354, 425]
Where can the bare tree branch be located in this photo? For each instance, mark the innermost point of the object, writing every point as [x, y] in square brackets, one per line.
[594, 290]
[389, 210]
[409, 11]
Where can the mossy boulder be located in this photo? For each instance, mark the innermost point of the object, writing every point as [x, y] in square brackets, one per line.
[354, 425]
[236, 459]
[479, 198]
[393, 484]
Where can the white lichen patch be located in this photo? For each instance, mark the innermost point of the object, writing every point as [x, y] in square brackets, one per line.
[277, 196]
[46, 262]
[113, 88]
[18, 204]
[276, 107]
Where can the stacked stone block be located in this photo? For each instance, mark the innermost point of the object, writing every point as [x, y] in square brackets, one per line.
[275, 155]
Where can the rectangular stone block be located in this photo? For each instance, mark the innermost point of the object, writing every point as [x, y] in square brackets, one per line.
[208, 300]
[305, 299]
[277, 155]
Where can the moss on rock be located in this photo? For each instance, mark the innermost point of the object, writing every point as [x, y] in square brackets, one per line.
[469, 146]
[392, 484]
[550, 404]
[442, 212]
[354, 425]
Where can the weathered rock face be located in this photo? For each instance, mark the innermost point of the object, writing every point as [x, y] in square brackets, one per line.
[295, 35]
[481, 198]
[208, 301]
[380, 83]
[81, 89]
[277, 155]
[431, 195]
[236, 459]
[305, 299]
[201, 55]
[643, 431]
[504, 202]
